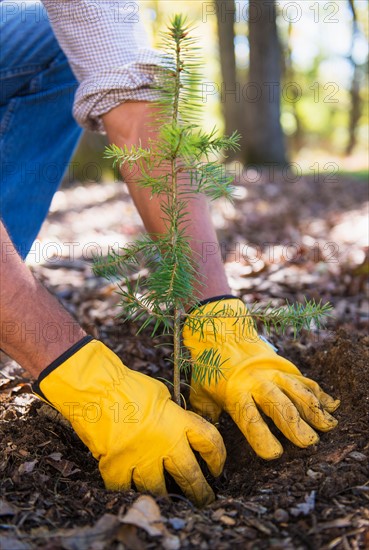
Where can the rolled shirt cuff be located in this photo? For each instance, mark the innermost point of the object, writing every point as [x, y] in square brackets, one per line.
[100, 93]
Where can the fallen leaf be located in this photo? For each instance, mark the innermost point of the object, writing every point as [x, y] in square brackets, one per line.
[9, 415]
[128, 536]
[360, 457]
[260, 526]
[23, 452]
[304, 508]
[13, 543]
[227, 520]
[22, 402]
[314, 475]
[65, 467]
[27, 467]
[21, 388]
[87, 538]
[215, 516]
[145, 513]
[256, 508]
[55, 456]
[338, 523]
[7, 509]
[4, 382]
[177, 523]
[337, 456]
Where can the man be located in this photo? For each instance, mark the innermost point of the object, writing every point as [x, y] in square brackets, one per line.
[100, 65]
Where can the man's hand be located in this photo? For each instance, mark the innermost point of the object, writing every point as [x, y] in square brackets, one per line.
[130, 424]
[255, 378]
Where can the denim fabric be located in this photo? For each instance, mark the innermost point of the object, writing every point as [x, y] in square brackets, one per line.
[37, 131]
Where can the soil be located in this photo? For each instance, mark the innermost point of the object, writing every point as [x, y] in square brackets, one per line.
[51, 493]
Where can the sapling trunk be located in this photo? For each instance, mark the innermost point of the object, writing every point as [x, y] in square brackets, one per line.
[174, 228]
[177, 356]
[177, 165]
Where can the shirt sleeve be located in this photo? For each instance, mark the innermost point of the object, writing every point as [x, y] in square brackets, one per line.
[108, 51]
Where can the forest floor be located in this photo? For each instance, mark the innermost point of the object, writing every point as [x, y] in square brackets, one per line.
[309, 239]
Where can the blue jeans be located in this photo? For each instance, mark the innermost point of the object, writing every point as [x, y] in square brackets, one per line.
[38, 134]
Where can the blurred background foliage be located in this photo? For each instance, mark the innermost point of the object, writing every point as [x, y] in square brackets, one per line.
[291, 77]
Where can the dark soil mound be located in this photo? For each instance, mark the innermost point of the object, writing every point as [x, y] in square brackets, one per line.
[316, 498]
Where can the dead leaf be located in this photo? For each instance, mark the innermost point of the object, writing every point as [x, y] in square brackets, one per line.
[129, 537]
[177, 523]
[227, 520]
[145, 513]
[27, 467]
[13, 543]
[337, 456]
[21, 388]
[23, 452]
[55, 456]
[9, 415]
[217, 514]
[65, 467]
[7, 509]
[22, 402]
[260, 526]
[254, 507]
[100, 535]
[338, 523]
[360, 457]
[304, 508]
[4, 382]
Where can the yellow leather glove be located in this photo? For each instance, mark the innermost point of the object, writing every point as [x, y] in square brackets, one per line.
[255, 378]
[130, 424]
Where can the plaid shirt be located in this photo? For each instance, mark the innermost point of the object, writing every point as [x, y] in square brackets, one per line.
[108, 51]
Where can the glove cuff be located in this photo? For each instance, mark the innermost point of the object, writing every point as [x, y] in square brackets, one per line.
[227, 297]
[56, 363]
[214, 299]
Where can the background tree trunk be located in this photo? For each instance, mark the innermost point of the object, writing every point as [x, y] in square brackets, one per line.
[230, 87]
[355, 110]
[264, 136]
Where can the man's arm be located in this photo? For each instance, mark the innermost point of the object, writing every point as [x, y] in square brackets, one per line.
[35, 328]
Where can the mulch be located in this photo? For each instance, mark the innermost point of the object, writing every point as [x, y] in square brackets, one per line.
[308, 243]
